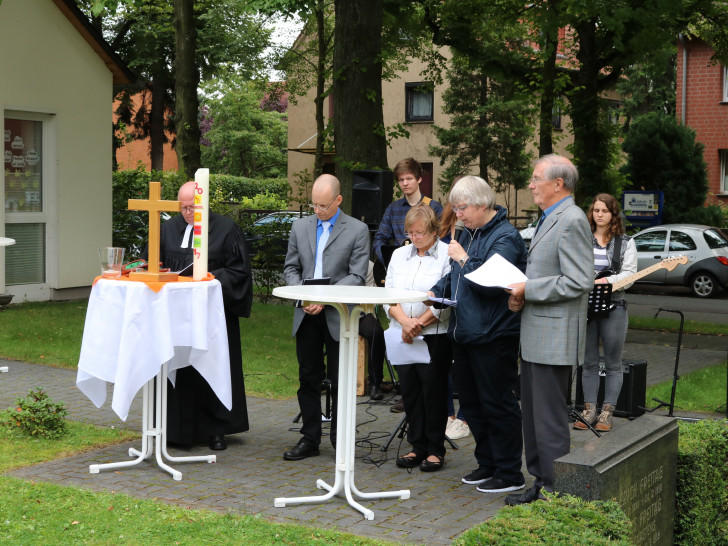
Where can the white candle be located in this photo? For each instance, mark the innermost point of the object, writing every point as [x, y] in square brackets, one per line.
[200, 235]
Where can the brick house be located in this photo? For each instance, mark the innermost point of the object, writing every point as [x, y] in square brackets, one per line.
[702, 105]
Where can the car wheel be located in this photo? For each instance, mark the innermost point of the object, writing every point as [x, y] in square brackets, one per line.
[704, 285]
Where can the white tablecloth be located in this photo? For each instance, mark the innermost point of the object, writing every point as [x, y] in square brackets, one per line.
[131, 331]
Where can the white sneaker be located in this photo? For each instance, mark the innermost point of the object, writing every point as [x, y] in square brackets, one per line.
[457, 429]
[450, 421]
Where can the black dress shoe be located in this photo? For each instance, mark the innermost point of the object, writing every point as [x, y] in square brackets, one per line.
[527, 497]
[375, 393]
[301, 451]
[218, 443]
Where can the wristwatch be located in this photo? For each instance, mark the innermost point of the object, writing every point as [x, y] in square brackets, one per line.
[461, 261]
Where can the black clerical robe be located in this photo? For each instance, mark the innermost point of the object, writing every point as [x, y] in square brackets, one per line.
[194, 413]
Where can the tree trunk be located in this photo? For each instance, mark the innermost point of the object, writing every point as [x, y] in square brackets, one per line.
[482, 123]
[590, 149]
[186, 82]
[156, 126]
[359, 135]
[318, 163]
[548, 77]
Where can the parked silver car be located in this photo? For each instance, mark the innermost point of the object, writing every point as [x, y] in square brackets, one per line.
[272, 231]
[706, 248]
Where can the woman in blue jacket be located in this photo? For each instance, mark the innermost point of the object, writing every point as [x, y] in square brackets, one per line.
[485, 336]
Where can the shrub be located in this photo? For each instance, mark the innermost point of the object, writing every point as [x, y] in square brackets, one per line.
[36, 415]
[702, 483]
[559, 520]
[130, 226]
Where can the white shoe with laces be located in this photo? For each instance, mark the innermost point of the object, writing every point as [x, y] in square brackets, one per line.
[457, 429]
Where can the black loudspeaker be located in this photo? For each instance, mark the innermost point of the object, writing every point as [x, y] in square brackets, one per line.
[371, 193]
[631, 401]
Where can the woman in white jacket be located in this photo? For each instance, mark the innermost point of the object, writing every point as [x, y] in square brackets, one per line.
[424, 383]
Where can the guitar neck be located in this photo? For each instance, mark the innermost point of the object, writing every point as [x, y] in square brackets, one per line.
[632, 278]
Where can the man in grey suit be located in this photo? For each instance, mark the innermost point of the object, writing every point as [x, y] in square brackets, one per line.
[553, 306]
[330, 245]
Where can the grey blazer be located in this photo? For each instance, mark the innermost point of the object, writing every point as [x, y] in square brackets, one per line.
[560, 271]
[346, 259]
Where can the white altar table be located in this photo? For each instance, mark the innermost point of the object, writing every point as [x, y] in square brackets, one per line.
[134, 335]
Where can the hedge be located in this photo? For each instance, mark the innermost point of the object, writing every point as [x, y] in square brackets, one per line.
[130, 227]
[701, 507]
[559, 520]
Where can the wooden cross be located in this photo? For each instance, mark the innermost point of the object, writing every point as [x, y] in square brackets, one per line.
[154, 205]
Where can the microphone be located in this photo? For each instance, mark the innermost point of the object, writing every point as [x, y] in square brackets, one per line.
[457, 229]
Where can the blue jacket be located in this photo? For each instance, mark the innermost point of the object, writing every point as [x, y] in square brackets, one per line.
[482, 314]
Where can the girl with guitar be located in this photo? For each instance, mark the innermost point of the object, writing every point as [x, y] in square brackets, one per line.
[615, 258]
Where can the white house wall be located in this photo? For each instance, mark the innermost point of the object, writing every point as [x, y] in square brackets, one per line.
[48, 68]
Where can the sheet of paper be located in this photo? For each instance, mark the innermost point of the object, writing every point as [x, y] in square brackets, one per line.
[444, 302]
[399, 352]
[497, 271]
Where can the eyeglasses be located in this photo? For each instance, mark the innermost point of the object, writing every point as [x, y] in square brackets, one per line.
[537, 179]
[188, 209]
[460, 209]
[320, 207]
[416, 234]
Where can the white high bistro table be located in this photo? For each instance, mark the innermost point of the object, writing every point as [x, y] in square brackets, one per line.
[363, 298]
[135, 337]
[5, 241]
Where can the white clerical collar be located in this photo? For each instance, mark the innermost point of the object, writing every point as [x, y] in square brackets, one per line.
[186, 237]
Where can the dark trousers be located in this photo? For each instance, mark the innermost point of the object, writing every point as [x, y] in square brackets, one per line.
[486, 376]
[545, 418]
[371, 330]
[311, 339]
[424, 393]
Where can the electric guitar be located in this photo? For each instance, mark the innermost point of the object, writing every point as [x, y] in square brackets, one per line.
[668, 263]
[600, 300]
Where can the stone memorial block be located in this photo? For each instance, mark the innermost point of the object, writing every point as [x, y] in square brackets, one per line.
[635, 465]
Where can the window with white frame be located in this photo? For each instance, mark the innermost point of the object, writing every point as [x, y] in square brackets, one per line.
[25, 217]
[419, 101]
[723, 171]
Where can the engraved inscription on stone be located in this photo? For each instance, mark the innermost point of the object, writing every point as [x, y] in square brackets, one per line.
[634, 465]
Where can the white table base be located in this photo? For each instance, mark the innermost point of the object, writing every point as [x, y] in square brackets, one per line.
[154, 410]
[346, 425]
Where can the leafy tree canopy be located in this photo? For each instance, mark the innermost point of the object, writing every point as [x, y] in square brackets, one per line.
[664, 155]
[239, 137]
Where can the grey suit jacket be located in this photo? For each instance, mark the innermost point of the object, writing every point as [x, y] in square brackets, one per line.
[560, 271]
[346, 259]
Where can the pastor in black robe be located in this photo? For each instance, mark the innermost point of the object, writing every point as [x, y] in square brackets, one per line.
[194, 413]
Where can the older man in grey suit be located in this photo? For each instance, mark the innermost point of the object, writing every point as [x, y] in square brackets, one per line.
[328, 245]
[553, 303]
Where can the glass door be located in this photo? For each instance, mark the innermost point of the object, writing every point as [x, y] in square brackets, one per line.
[25, 217]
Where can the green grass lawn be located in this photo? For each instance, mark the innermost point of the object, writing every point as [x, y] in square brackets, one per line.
[38, 513]
[673, 325]
[703, 390]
